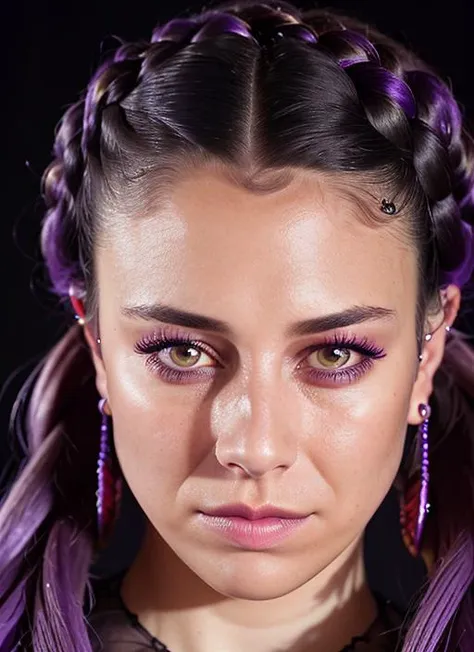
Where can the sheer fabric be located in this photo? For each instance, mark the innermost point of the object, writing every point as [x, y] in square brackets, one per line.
[113, 628]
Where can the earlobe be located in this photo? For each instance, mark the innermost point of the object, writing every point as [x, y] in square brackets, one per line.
[421, 392]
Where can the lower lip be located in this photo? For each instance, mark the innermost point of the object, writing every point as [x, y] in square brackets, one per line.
[259, 534]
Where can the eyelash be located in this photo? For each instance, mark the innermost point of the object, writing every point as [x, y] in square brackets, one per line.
[152, 345]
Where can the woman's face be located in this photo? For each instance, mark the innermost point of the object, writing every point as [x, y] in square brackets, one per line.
[286, 382]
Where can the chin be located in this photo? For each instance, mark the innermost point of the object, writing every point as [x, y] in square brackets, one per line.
[259, 577]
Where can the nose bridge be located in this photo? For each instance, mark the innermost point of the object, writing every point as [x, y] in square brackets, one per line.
[253, 433]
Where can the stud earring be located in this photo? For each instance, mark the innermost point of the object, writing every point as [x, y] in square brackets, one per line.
[414, 505]
[109, 479]
[429, 336]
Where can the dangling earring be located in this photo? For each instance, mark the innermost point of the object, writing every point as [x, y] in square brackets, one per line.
[109, 489]
[414, 501]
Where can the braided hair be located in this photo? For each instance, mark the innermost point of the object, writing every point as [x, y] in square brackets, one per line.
[260, 88]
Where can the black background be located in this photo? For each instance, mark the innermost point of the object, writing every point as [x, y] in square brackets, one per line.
[50, 50]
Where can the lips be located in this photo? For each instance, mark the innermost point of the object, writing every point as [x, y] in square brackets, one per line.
[252, 513]
[252, 528]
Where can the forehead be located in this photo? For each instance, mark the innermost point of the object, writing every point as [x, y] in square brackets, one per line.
[213, 245]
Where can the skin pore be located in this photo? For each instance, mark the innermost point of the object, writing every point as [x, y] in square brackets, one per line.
[254, 410]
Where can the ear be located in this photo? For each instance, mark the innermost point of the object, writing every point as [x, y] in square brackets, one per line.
[100, 375]
[433, 351]
[91, 334]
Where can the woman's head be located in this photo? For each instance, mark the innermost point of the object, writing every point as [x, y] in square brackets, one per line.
[237, 167]
[221, 193]
[295, 394]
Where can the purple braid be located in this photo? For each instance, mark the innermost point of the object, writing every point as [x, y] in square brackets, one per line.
[382, 108]
[433, 116]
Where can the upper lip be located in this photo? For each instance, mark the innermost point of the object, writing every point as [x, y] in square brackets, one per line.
[252, 513]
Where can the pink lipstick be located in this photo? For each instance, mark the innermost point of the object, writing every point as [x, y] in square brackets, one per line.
[253, 529]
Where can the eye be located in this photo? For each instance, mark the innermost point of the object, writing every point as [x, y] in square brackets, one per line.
[341, 360]
[179, 358]
[185, 356]
[176, 357]
[329, 357]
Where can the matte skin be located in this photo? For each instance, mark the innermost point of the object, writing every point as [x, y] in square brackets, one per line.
[255, 429]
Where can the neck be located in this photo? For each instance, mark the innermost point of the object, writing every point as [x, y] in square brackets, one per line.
[187, 615]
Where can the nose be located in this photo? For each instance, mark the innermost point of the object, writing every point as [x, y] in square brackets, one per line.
[252, 431]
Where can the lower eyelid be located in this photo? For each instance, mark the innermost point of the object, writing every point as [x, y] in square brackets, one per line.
[160, 368]
[342, 375]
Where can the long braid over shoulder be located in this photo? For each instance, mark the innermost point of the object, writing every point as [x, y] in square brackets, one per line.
[261, 88]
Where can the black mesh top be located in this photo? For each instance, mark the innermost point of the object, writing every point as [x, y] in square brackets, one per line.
[113, 628]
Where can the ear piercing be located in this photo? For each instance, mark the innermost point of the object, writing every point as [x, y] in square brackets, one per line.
[78, 306]
[415, 504]
[429, 336]
[109, 479]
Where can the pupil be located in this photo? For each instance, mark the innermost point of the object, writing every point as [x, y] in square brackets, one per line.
[185, 354]
[333, 356]
[337, 354]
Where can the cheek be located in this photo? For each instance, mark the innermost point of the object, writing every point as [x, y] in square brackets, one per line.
[160, 434]
[360, 446]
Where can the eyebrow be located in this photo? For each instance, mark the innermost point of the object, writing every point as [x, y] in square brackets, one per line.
[169, 315]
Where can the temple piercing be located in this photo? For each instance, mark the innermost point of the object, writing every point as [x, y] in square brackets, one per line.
[387, 206]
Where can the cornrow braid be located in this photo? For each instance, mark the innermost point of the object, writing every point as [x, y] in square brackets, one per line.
[406, 121]
[416, 112]
[79, 134]
[446, 176]
[387, 97]
[117, 78]
[61, 183]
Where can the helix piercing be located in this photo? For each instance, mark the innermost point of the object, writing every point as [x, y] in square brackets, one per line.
[429, 336]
